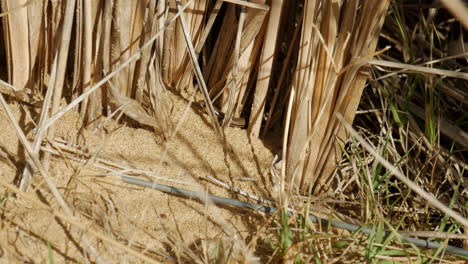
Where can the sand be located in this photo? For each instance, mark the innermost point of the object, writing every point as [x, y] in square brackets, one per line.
[161, 226]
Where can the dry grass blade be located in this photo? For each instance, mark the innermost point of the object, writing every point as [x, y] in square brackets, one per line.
[41, 131]
[198, 73]
[421, 192]
[79, 224]
[249, 4]
[186, 76]
[284, 196]
[265, 71]
[459, 9]
[416, 68]
[37, 163]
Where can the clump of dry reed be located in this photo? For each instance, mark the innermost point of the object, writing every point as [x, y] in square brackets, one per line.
[299, 65]
[328, 80]
[82, 42]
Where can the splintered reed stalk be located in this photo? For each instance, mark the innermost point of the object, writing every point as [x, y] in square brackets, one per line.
[334, 34]
[15, 28]
[265, 67]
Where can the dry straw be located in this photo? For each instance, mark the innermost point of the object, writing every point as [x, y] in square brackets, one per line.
[113, 44]
[334, 35]
[63, 52]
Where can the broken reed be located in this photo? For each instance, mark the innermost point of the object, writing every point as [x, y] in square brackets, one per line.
[59, 49]
[328, 80]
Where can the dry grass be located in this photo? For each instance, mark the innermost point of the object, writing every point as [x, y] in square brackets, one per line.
[194, 73]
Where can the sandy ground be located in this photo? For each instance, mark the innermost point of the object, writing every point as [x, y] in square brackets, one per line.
[162, 225]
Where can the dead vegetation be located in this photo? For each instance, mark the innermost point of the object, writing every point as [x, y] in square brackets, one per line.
[203, 95]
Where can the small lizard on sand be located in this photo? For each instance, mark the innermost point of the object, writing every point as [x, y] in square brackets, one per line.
[133, 109]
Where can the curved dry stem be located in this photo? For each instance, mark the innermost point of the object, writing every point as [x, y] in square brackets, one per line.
[420, 191]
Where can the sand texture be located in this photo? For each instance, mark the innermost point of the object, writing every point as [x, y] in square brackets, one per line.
[86, 168]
